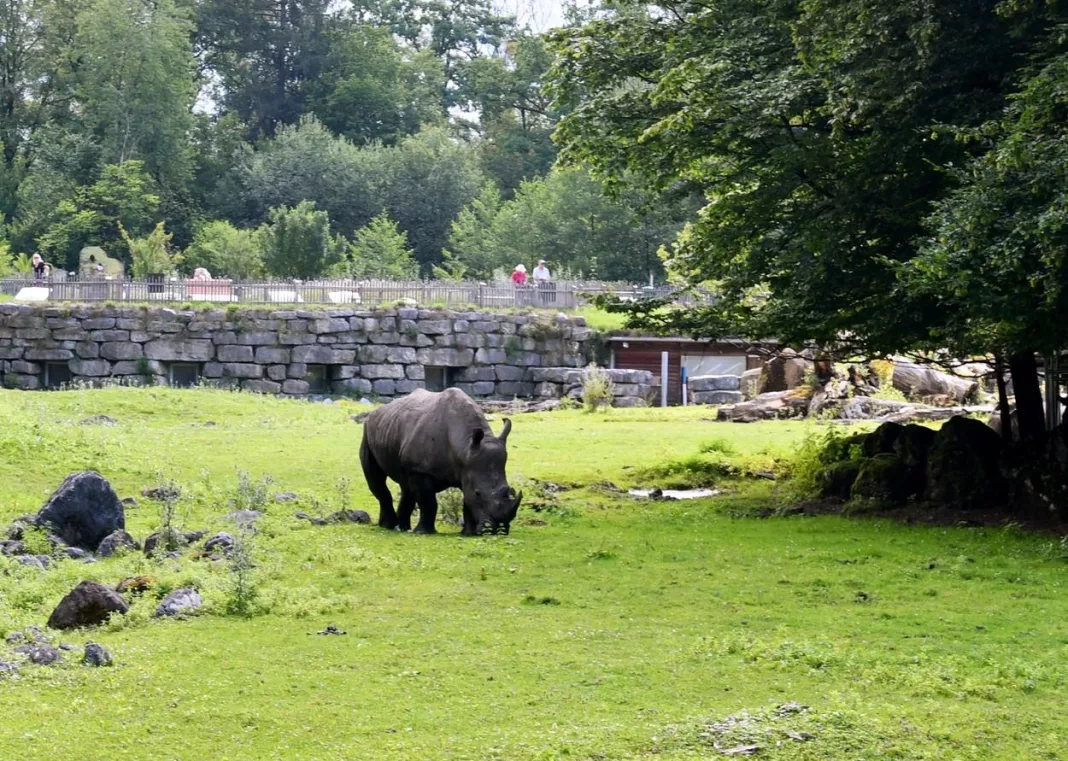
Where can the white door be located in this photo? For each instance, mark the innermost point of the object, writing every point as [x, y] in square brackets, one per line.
[697, 365]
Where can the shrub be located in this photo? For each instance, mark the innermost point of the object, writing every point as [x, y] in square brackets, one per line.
[597, 391]
[451, 506]
[225, 251]
[150, 255]
[170, 517]
[244, 587]
[297, 242]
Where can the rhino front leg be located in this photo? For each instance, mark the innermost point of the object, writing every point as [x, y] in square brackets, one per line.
[470, 524]
[428, 509]
[404, 510]
[376, 482]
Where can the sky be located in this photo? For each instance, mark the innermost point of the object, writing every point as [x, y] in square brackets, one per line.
[540, 15]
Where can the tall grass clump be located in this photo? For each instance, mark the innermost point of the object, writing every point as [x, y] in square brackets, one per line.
[250, 494]
[169, 495]
[807, 468]
[243, 592]
[597, 390]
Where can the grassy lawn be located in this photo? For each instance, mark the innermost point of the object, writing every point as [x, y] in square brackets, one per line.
[602, 628]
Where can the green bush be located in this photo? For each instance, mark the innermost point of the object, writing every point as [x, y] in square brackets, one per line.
[225, 251]
[597, 391]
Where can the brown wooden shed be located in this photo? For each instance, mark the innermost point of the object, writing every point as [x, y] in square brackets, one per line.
[700, 357]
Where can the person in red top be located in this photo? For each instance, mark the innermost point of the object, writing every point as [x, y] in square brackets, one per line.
[519, 277]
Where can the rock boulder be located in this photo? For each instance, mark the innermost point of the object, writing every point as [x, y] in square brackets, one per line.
[964, 465]
[83, 511]
[88, 604]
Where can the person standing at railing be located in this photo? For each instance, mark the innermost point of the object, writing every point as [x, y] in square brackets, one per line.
[543, 281]
[519, 276]
[40, 270]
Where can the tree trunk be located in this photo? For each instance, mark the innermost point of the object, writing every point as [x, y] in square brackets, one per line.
[1003, 400]
[1030, 414]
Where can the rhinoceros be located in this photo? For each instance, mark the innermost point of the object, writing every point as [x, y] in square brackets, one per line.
[428, 442]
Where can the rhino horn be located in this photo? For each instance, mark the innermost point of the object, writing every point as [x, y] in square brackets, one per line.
[505, 431]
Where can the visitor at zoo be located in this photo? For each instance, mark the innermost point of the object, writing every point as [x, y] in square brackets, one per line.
[40, 269]
[519, 276]
[541, 281]
[201, 273]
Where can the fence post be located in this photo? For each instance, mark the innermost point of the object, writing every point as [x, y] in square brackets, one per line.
[664, 365]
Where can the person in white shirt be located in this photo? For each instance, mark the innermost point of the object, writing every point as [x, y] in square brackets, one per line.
[541, 282]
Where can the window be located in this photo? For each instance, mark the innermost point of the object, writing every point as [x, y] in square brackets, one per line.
[439, 378]
[184, 374]
[698, 365]
[316, 377]
[57, 375]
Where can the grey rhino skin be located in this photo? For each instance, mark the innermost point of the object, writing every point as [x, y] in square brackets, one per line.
[429, 442]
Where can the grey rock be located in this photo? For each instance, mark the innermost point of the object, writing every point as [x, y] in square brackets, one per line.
[116, 543]
[392, 372]
[296, 387]
[180, 602]
[277, 373]
[83, 511]
[222, 541]
[96, 656]
[119, 351]
[715, 383]
[385, 387]
[242, 370]
[258, 338]
[444, 357]
[40, 655]
[272, 355]
[245, 517]
[350, 516]
[717, 397]
[103, 420]
[322, 355]
[92, 368]
[178, 350]
[235, 353]
[262, 386]
[34, 561]
[286, 496]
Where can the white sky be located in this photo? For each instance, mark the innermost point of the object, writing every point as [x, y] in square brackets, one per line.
[540, 15]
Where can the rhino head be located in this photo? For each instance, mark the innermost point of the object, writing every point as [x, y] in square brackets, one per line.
[490, 504]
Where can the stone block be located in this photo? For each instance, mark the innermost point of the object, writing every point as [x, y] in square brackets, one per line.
[93, 368]
[25, 368]
[509, 373]
[25, 320]
[448, 339]
[296, 387]
[418, 340]
[33, 334]
[401, 355]
[474, 374]
[332, 325]
[261, 386]
[441, 357]
[629, 401]
[89, 350]
[179, 350]
[715, 383]
[547, 390]
[491, 356]
[258, 338]
[353, 387]
[297, 370]
[272, 355]
[526, 359]
[434, 327]
[23, 382]
[323, 355]
[120, 351]
[415, 372]
[393, 372]
[99, 323]
[235, 353]
[384, 387]
[461, 326]
[104, 336]
[373, 354]
[384, 338]
[277, 372]
[140, 367]
[468, 340]
[241, 370]
[11, 352]
[485, 326]
[408, 386]
[717, 397]
[48, 355]
[70, 334]
[225, 337]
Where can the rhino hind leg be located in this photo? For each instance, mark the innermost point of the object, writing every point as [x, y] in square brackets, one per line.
[376, 482]
[405, 509]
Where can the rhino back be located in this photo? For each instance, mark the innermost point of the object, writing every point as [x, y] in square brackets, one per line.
[426, 432]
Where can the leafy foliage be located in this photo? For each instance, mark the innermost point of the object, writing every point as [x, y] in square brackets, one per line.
[297, 243]
[150, 255]
[380, 250]
[225, 251]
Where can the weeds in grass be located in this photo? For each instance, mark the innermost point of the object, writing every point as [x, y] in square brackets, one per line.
[170, 516]
[243, 587]
[718, 446]
[251, 495]
[597, 391]
[693, 472]
[35, 540]
[451, 507]
[343, 488]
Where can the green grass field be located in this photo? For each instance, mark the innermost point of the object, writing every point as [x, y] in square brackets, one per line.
[602, 628]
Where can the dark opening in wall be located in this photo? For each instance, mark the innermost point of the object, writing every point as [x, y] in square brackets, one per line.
[57, 375]
[440, 378]
[184, 374]
[317, 379]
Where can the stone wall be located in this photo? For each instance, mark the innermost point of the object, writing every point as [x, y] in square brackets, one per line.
[373, 353]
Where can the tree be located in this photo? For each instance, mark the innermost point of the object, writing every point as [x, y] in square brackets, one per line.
[296, 243]
[380, 250]
[264, 52]
[812, 130]
[150, 255]
[124, 199]
[225, 251]
[425, 181]
[473, 245]
[371, 89]
[305, 162]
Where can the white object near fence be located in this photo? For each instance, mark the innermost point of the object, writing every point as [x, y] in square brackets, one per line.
[32, 294]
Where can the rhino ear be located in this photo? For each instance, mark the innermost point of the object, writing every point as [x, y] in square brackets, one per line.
[476, 438]
[505, 431]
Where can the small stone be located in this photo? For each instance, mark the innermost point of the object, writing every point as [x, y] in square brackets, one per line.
[221, 541]
[180, 602]
[129, 502]
[116, 543]
[96, 656]
[350, 516]
[100, 420]
[40, 655]
[14, 638]
[76, 553]
[135, 585]
[286, 496]
[35, 561]
[8, 669]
